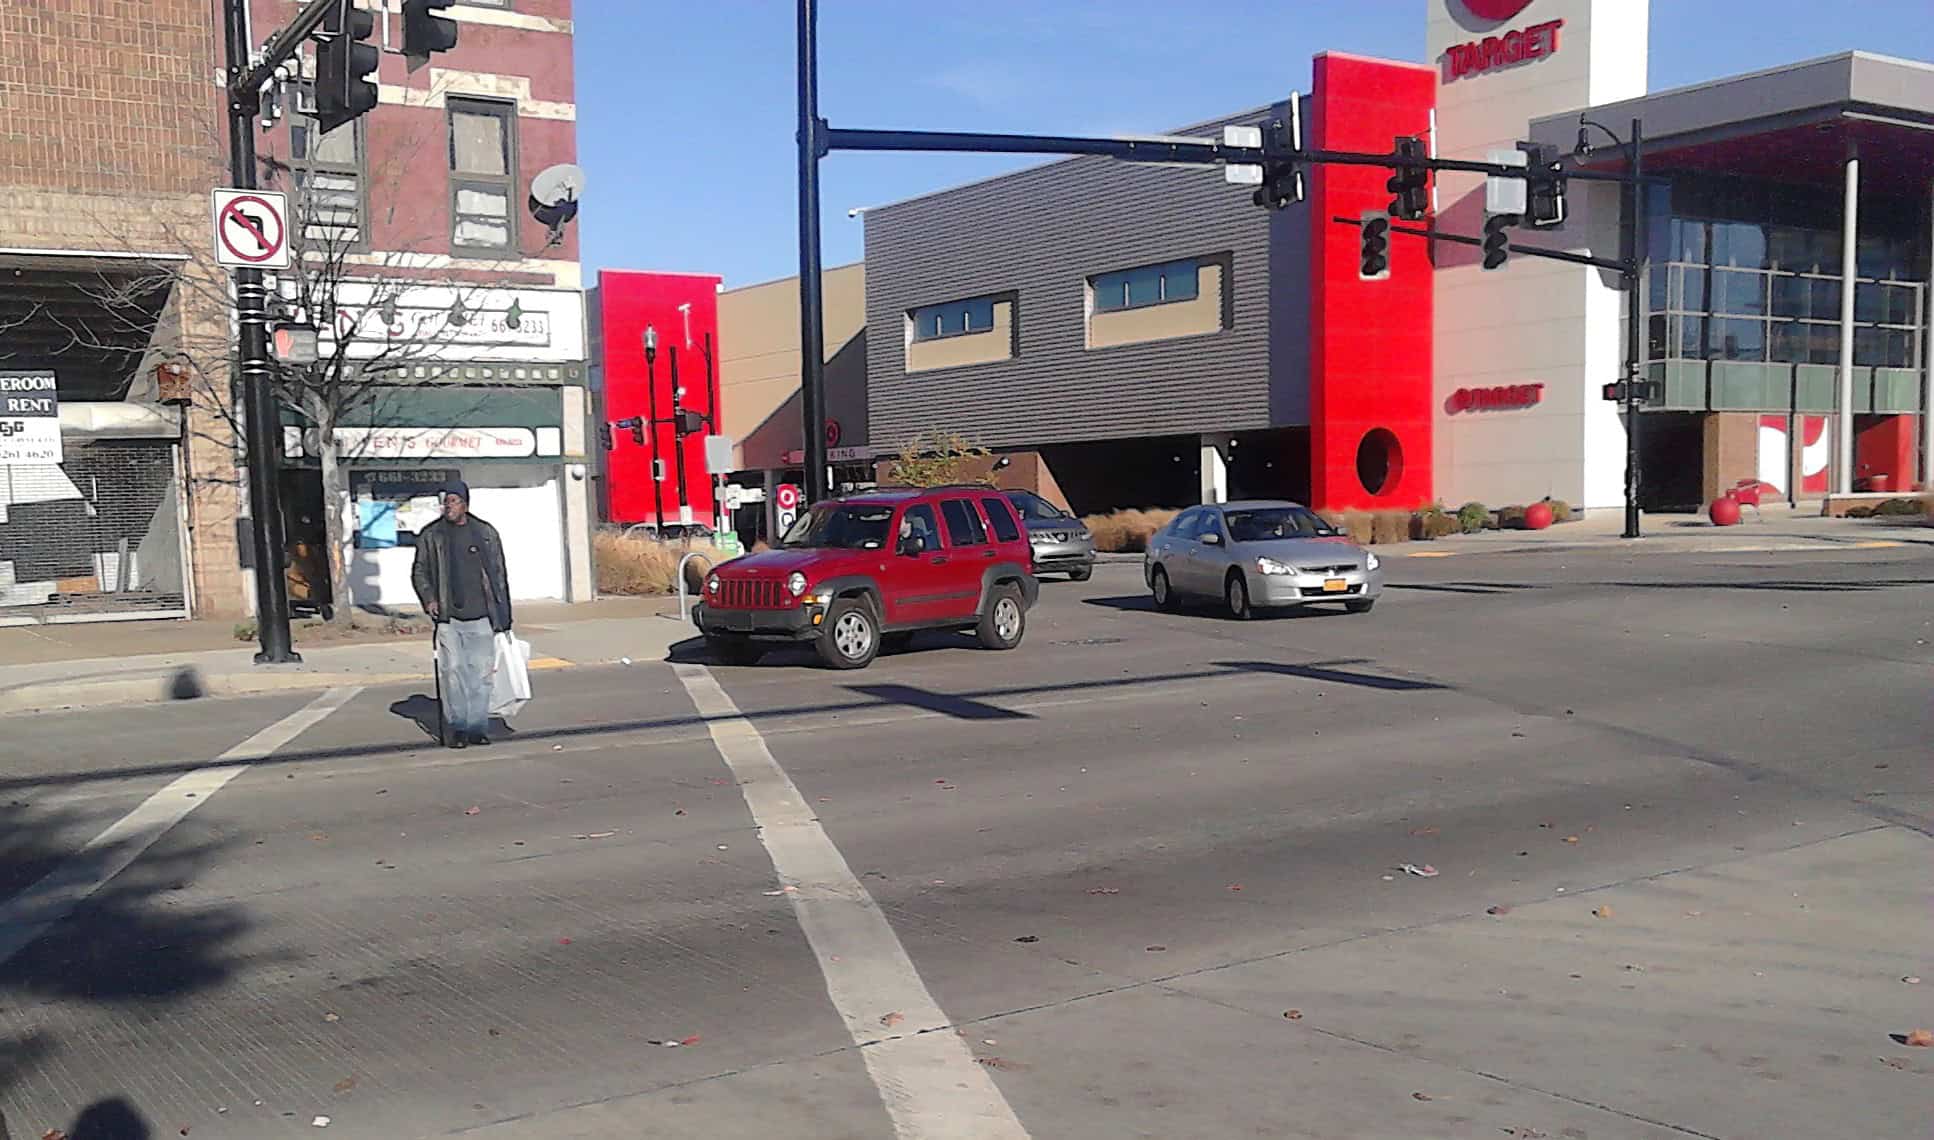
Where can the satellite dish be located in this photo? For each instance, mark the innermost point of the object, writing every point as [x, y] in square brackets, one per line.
[554, 196]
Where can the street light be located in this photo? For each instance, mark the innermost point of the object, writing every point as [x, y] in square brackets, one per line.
[1634, 260]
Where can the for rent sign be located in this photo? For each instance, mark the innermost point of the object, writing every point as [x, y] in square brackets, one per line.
[29, 419]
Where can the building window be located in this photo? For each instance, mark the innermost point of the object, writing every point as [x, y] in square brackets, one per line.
[483, 159]
[1149, 285]
[329, 182]
[956, 318]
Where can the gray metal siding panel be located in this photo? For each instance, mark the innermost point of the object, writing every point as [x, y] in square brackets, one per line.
[1041, 233]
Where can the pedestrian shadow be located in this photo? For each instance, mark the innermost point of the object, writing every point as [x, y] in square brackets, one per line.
[946, 704]
[421, 710]
[110, 1119]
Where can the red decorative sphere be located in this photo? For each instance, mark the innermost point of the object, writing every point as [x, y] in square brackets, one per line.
[1724, 511]
[1537, 516]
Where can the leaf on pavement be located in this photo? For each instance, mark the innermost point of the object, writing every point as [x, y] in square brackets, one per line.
[1104, 890]
[1500, 910]
[596, 835]
[1423, 831]
[346, 1084]
[1157, 949]
[1602, 912]
[689, 1041]
[1293, 1014]
[332, 1016]
[473, 809]
[1920, 1038]
[998, 1063]
[892, 1019]
[53, 1134]
[1421, 1096]
[1028, 938]
[1571, 839]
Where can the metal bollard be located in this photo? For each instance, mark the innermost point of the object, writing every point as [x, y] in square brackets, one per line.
[684, 613]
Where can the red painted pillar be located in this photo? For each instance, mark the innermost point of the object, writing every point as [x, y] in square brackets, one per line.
[1370, 341]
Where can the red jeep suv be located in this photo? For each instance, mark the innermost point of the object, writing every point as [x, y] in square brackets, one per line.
[864, 572]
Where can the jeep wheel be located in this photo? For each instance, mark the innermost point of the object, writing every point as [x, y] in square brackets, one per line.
[1004, 621]
[850, 637]
[733, 650]
[1165, 599]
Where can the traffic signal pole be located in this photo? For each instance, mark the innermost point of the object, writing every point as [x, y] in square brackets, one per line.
[812, 332]
[262, 421]
[1634, 345]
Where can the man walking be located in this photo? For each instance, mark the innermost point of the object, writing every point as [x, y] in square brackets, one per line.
[460, 579]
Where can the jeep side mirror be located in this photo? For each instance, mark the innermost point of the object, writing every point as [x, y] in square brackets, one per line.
[912, 546]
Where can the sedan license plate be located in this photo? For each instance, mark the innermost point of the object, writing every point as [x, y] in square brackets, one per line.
[1334, 585]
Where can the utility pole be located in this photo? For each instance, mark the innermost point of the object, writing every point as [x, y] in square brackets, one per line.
[651, 397]
[812, 335]
[678, 444]
[262, 421]
[1634, 343]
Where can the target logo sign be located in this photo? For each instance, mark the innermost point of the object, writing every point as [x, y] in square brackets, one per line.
[786, 498]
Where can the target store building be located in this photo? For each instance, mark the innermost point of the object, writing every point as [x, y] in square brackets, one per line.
[1153, 338]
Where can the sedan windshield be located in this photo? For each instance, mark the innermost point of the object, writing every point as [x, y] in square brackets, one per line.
[1034, 508]
[844, 526]
[1272, 523]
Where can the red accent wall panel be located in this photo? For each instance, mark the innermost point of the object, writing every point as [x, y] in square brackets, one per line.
[1888, 445]
[628, 303]
[1370, 341]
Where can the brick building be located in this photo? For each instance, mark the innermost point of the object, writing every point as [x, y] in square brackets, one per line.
[111, 138]
[108, 147]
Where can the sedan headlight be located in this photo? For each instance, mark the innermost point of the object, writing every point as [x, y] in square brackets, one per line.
[1271, 566]
[712, 584]
[796, 584]
[1370, 560]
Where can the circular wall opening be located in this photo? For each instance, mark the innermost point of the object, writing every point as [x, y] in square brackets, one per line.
[1379, 461]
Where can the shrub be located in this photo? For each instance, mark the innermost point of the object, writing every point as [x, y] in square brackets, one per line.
[931, 459]
[642, 566]
[1511, 518]
[1897, 508]
[1473, 517]
[1860, 512]
[1127, 531]
[1387, 527]
[1433, 522]
[246, 631]
[1560, 510]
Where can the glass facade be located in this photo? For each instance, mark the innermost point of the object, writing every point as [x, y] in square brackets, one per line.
[1751, 273]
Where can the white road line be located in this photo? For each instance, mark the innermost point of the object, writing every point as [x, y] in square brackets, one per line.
[30, 913]
[928, 1080]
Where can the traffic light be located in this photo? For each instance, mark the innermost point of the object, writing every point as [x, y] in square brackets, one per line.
[1497, 239]
[344, 62]
[1544, 186]
[1373, 262]
[1649, 391]
[1282, 178]
[426, 33]
[637, 426]
[1410, 184]
[605, 439]
[688, 422]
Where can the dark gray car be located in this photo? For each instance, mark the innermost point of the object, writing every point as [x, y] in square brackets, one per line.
[1061, 543]
[1259, 554]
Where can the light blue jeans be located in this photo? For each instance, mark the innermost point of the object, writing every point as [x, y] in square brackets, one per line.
[466, 650]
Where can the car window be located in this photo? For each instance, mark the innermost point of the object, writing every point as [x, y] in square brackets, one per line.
[845, 526]
[1001, 517]
[963, 523]
[919, 522]
[1034, 508]
[1268, 524]
[1185, 523]
[1211, 524]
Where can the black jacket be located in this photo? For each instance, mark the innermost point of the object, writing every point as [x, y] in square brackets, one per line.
[431, 572]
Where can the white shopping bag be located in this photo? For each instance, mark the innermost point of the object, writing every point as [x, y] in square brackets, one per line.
[510, 678]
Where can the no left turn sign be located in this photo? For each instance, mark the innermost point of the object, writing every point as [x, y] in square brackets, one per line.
[251, 230]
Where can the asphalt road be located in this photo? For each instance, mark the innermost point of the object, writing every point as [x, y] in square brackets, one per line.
[1141, 877]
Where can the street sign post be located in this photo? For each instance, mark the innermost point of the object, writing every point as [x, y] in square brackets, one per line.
[251, 229]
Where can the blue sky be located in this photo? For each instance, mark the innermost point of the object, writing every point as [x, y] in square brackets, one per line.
[685, 107]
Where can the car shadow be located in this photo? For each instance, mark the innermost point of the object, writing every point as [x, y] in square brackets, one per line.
[1143, 603]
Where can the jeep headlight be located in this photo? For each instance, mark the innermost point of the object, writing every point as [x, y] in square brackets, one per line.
[712, 584]
[796, 584]
[1271, 566]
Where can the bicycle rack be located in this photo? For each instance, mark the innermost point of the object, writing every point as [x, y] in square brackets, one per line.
[684, 613]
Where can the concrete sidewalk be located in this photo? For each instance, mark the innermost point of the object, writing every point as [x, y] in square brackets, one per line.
[115, 663]
[1775, 527]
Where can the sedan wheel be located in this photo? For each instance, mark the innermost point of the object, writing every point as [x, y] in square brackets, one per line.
[1238, 598]
[1165, 598]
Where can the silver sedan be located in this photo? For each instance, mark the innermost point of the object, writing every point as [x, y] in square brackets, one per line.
[1256, 555]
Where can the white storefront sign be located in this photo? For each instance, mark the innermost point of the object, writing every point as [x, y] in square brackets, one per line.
[402, 323]
[29, 419]
[355, 443]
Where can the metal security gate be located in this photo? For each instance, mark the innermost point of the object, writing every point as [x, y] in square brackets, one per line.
[94, 539]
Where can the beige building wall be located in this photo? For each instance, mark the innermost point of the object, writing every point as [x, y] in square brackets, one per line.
[759, 360]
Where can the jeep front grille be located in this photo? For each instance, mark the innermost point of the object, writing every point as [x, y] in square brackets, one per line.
[748, 594]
